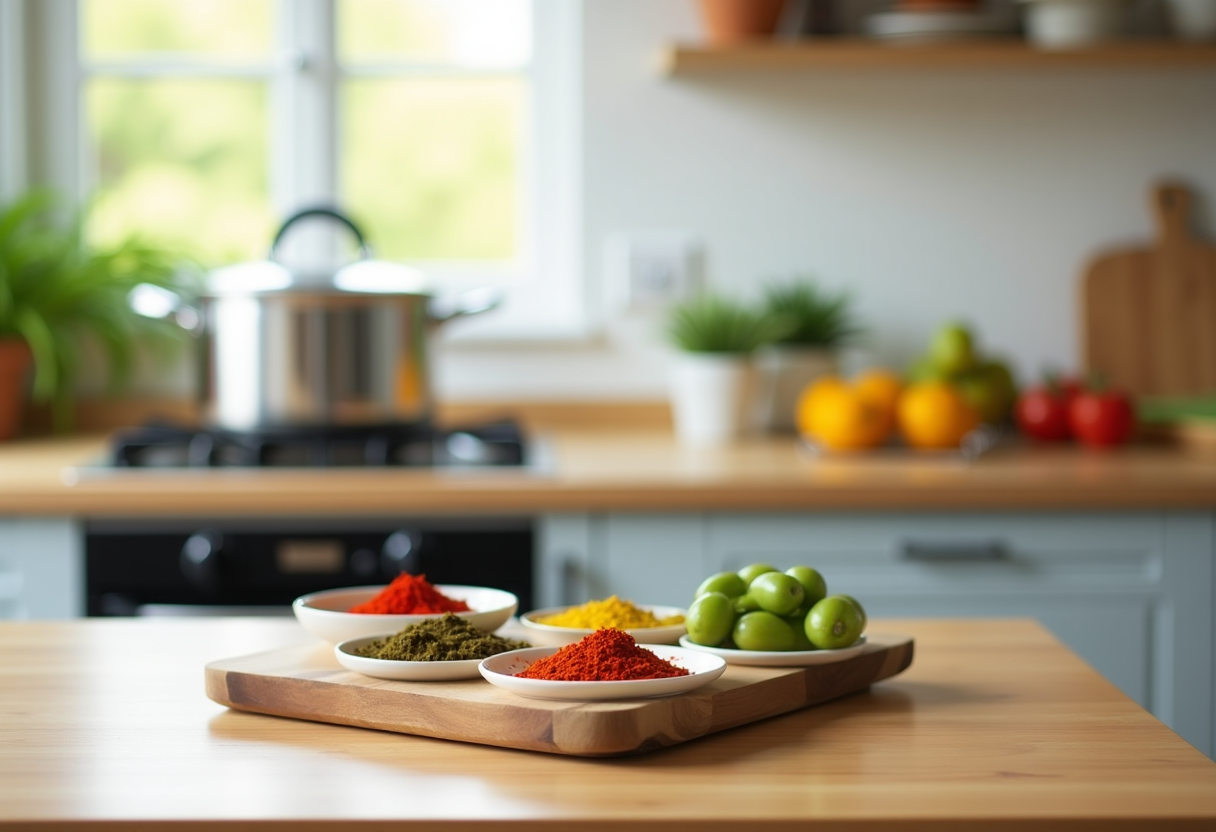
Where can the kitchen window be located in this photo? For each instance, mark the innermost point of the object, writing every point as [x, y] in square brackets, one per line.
[446, 128]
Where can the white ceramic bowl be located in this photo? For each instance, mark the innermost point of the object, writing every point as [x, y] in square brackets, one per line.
[702, 668]
[438, 671]
[1073, 24]
[548, 635]
[786, 658]
[326, 614]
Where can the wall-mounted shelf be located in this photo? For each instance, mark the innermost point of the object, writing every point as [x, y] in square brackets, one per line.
[861, 54]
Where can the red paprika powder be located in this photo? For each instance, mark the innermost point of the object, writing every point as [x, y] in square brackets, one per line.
[606, 655]
[410, 595]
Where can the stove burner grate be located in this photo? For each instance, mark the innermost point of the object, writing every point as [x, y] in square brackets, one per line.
[162, 445]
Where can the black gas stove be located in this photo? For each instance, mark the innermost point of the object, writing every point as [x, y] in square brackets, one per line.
[254, 565]
[164, 445]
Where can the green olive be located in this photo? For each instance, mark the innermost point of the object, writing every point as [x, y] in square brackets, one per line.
[710, 619]
[728, 583]
[762, 630]
[833, 623]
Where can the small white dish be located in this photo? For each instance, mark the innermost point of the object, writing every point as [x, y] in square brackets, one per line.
[702, 668]
[937, 26]
[1075, 24]
[784, 658]
[345, 652]
[547, 634]
[327, 614]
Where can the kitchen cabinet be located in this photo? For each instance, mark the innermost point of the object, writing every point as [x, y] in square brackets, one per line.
[41, 568]
[845, 53]
[1130, 592]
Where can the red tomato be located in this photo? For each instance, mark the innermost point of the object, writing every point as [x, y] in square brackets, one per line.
[1042, 413]
[1102, 418]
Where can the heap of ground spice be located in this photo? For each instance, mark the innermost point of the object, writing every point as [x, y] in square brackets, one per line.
[607, 655]
[410, 595]
[448, 638]
[611, 612]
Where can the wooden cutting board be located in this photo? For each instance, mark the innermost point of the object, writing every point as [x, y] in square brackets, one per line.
[1149, 314]
[306, 682]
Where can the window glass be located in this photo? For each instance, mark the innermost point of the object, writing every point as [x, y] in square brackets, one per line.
[431, 166]
[215, 30]
[481, 33]
[181, 162]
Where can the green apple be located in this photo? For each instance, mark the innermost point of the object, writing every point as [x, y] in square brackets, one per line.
[777, 592]
[952, 348]
[988, 388]
[729, 584]
[923, 369]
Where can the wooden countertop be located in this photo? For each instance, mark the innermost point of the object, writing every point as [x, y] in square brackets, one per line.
[633, 468]
[995, 725]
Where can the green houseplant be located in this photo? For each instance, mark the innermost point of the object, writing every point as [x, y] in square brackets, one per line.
[60, 296]
[713, 380]
[710, 323]
[818, 323]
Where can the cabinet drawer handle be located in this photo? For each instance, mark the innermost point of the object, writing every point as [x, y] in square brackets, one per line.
[953, 552]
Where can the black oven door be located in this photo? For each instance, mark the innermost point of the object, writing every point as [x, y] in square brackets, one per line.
[239, 566]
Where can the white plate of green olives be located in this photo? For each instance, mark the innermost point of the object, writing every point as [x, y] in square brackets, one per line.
[778, 658]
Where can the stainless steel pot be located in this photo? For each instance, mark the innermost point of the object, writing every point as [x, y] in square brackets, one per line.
[344, 348]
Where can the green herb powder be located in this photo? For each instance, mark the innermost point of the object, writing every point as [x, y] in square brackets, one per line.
[447, 639]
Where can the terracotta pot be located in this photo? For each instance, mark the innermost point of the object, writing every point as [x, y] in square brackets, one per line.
[736, 21]
[14, 370]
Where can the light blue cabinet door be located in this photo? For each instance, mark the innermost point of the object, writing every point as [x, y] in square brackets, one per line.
[41, 568]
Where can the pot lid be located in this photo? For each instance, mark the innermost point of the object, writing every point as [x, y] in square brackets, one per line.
[366, 275]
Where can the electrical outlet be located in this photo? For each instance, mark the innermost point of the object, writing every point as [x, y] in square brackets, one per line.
[651, 269]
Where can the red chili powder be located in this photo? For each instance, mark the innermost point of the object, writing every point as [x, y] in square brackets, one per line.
[410, 595]
[606, 655]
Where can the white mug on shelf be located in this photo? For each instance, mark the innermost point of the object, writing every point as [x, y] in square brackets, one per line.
[1071, 24]
[1192, 20]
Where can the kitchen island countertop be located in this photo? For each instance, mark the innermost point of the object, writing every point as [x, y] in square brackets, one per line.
[995, 725]
[641, 469]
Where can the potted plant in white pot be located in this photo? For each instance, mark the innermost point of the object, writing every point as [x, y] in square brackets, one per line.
[59, 296]
[713, 382]
[817, 323]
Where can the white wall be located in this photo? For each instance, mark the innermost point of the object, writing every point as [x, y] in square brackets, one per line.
[929, 194]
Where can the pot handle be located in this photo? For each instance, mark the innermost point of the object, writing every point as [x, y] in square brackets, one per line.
[469, 302]
[322, 211]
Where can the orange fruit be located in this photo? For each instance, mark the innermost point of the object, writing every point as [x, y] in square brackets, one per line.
[842, 416]
[883, 388]
[933, 414]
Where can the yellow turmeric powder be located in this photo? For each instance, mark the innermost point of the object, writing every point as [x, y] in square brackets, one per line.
[611, 612]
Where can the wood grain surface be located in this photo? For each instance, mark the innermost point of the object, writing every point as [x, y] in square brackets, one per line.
[618, 469]
[308, 683]
[995, 726]
[1149, 314]
[865, 53]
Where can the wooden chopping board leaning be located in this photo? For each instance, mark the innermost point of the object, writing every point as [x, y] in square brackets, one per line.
[1149, 314]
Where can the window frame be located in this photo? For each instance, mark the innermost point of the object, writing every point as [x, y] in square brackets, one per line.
[543, 290]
